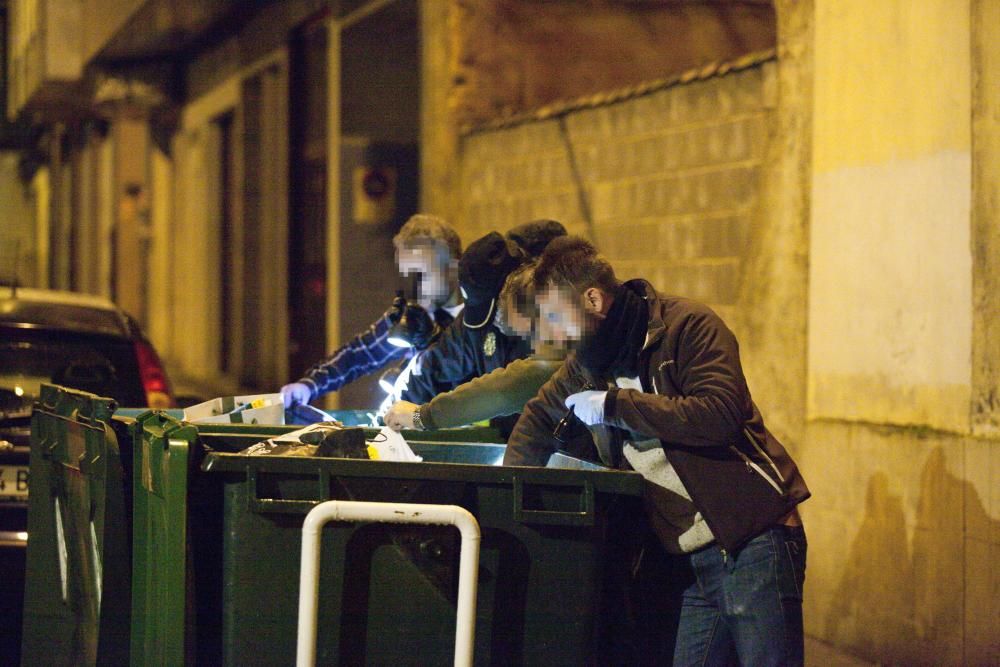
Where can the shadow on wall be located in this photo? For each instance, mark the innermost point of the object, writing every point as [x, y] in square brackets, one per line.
[900, 602]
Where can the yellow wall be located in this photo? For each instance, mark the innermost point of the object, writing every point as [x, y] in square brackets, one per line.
[194, 260]
[17, 229]
[986, 218]
[892, 80]
[194, 254]
[904, 522]
[890, 263]
[101, 19]
[162, 248]
[439, 175]
[41, 193]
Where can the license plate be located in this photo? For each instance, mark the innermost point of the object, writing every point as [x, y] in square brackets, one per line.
[14, 482]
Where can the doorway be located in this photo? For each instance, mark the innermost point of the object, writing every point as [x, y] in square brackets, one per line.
[308, 101]
[379, 112]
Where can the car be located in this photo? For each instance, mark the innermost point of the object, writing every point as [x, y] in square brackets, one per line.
[74, 340]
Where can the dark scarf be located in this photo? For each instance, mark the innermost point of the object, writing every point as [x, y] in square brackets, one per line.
[613, 349]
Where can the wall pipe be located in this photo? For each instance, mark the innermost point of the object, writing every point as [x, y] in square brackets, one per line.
[346, 510]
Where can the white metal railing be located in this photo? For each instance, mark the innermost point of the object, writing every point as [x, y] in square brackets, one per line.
[346, 510]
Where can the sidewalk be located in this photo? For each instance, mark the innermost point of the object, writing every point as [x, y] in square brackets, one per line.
[821, 654]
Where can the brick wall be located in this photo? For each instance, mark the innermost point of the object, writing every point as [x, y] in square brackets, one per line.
[672, 179]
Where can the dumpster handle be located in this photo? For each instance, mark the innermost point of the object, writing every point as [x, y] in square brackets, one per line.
[349, 510]
[261, 505]
[584, 517]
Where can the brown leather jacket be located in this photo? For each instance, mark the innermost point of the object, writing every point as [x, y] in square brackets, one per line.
[695, 400]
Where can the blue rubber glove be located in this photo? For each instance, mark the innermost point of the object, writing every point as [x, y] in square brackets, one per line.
[295, 393]
[588, 406]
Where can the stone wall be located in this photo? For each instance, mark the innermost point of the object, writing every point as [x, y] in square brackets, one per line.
[902, 543]
[685, 186]
[985, 214]
[667, 184]
[698, 186]
[508, 56]
[486, 59]
[900, 444]
[709, 188]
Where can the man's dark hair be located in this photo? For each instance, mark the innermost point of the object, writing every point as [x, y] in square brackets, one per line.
[573, 262]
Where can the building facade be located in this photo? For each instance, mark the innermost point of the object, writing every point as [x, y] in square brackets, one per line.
[825, 173]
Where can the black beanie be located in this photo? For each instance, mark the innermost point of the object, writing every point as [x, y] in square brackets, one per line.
[482, 271]
[533, 236]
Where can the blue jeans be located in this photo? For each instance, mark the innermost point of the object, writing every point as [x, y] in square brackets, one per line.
[745, 608]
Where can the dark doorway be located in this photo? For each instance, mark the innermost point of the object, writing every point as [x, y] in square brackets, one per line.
[307, 196]
[380, 116]
[379, 101]
[228, 317]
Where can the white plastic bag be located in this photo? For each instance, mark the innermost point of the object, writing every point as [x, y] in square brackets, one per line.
[391, 446]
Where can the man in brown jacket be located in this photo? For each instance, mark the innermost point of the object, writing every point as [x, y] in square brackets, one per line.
[658, 382]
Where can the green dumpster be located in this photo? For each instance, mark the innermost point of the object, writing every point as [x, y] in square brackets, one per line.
[218, 535]
[79, 559]
[76, 609]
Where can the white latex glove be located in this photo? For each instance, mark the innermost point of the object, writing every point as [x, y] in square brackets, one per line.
[588, 406]
[295, 394]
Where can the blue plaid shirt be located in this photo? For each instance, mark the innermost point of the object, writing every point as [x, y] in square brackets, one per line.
[363, 354]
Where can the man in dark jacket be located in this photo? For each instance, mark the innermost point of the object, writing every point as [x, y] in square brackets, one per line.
[658, 381]
[473, 345]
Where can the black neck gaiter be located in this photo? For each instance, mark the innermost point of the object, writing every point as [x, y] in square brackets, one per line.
[613, 349]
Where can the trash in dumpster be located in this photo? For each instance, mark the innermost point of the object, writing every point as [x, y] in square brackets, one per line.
[307, 414]
[333, 439]
[337, 441]
[255, 409]
[391, 446]
[303, 413]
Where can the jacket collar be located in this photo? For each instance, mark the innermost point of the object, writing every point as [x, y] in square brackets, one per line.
[657, 326]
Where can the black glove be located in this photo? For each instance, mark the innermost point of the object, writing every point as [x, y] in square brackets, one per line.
[396, 310]
[415, 323]
[420, 327]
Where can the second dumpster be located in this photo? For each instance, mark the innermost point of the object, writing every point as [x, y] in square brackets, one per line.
[387, 592]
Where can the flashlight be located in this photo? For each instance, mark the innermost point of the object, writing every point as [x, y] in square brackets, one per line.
[387, 381]
[399, 334]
